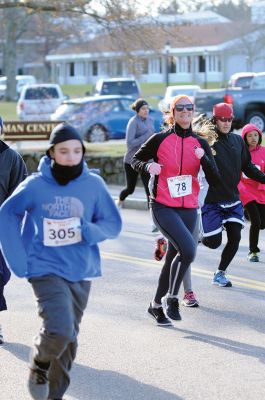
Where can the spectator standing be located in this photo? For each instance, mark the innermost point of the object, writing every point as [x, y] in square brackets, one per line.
[222, 207]
[13, 171]
[252, 193]
[66, 211]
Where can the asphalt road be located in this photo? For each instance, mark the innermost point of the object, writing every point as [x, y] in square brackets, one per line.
[216, 352]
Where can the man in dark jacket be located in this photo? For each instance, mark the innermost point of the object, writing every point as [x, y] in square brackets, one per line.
[12, 171]
[222, 208]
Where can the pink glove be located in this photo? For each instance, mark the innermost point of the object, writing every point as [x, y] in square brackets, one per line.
[154, 168]
[199, 152]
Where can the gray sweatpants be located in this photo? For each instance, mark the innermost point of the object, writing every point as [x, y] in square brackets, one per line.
[60, 305]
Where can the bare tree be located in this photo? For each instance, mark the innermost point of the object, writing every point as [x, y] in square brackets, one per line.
[251, 45]
[108, 14]
[233, 10]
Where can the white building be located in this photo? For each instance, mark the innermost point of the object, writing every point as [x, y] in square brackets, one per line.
[199, 53]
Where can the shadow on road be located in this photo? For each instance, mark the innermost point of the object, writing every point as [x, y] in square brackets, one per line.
[104, 384]
[100, 384]
[19, 350]
[227, 344]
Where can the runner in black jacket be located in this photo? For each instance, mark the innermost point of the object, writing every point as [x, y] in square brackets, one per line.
[13, 171]
[222, 207]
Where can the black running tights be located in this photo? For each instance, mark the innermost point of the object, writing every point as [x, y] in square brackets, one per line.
[233, 231]
[256, 216]
[131, 179]
[177, 225]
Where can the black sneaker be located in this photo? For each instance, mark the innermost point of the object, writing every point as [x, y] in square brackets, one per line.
[172, 308]
[159, 316]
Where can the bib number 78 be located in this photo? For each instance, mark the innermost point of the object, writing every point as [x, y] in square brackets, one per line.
[180, 185]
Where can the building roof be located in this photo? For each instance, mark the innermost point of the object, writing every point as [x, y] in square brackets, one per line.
[180, 37]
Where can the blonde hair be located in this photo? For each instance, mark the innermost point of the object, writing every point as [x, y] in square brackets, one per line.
[205, 129]
[169, 116]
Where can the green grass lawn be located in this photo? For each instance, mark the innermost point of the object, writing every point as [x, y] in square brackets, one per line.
[106, 149]
[150, 91]
[8, 111]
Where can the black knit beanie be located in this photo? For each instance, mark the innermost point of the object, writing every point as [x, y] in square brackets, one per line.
[62, 133]
[138, 104]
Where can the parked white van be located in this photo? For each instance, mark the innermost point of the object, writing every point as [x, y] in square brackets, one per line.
[37, 102]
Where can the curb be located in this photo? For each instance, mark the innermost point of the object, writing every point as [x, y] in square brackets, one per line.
[133, 203]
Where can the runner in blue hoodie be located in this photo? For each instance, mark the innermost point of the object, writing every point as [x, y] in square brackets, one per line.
[57, 217]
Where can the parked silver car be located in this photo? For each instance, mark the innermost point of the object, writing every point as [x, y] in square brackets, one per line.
[38, 102]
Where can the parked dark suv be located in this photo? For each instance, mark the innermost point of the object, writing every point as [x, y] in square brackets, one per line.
[120, 86]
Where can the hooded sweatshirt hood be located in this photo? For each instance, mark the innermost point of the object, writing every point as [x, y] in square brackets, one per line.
[249, 128]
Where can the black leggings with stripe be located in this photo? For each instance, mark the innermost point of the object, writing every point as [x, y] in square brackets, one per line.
[177, 225]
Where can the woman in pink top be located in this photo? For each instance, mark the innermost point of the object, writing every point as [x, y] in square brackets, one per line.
[252, 193]
[177, 154]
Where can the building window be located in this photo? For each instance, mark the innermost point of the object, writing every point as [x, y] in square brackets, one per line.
[94, 68]
[119, 68]
[141, 66]
[214, 64]
[144, 66]
[155, 66]
[183, 64]
[80, 68]
[71, 69]
[189, 63]
[172, 65]
[202, 64]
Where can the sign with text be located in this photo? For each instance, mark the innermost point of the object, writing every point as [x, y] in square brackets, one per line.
[28, 130]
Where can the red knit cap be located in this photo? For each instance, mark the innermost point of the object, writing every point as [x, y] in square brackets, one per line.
[223, 110]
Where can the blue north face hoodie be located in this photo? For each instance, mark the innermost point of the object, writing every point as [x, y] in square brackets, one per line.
[52, 229]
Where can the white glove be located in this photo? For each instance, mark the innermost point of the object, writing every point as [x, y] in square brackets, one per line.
[154, 168]
[199, 152]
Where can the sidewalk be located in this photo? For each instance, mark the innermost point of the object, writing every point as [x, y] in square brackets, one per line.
[136, 201]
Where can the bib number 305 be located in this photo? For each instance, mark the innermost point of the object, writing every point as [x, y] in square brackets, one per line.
[61, 232]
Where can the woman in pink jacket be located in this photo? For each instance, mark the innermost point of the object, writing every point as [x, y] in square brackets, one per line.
[252, 193]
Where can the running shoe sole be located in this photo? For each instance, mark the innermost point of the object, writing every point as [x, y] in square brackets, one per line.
[189, 305]
[159, 324]
[228, 284]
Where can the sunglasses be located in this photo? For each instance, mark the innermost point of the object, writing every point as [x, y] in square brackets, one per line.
[223, 119]
[180, 107]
